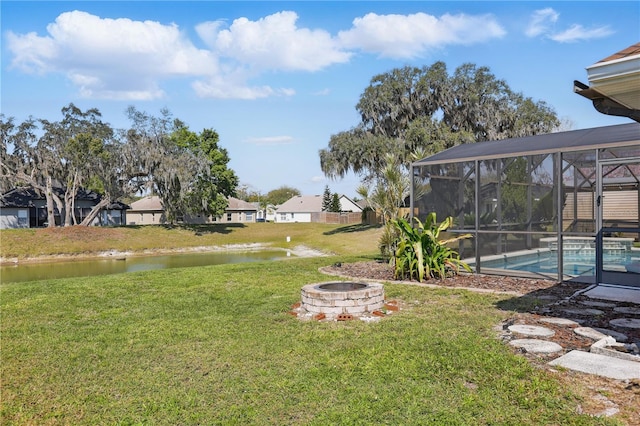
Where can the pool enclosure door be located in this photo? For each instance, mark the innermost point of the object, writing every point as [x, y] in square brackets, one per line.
[617, 222]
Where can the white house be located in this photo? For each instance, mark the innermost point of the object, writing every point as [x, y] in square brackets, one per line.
[299, 208]
[348, 205]
[308, 208]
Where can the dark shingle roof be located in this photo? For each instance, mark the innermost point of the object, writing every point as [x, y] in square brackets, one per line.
[24, 197]
[575, 140]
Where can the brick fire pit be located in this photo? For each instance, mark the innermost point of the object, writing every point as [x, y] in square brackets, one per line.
[335, 299]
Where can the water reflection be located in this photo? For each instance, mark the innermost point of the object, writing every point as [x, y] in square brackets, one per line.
[93, 267]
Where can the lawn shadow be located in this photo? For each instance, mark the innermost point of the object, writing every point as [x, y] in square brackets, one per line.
[202, 229]
[360, 227]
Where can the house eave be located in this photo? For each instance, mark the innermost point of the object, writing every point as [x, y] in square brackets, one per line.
[614, 84]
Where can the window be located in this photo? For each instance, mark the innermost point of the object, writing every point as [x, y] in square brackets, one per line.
[116, 217]
[283, 217]
[23, 218]
[228, 217]
[249, 217]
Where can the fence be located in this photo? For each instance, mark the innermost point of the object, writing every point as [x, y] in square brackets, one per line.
[337, 218]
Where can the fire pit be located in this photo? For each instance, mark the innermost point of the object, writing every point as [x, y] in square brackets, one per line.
[342, 298]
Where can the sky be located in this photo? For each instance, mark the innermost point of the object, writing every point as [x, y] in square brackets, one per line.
[276, 79]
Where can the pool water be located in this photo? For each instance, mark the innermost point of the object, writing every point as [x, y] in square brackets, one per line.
[546, 262]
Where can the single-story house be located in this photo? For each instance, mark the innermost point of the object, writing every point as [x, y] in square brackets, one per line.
[348, 205]
[308, 208]
[149, 211]
[299, 209]
[27, 208]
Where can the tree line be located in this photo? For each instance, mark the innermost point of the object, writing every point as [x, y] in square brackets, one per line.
[156, 154]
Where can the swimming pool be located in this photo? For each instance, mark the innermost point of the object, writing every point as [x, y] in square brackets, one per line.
[545, 261]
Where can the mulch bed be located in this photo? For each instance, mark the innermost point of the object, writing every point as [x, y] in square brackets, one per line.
[551, 298]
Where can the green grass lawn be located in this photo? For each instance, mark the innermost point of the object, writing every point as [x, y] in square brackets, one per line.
[216, 345]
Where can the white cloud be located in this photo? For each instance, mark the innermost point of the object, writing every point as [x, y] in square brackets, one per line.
[543, 21]
[540, 22]
[408, 36]
[578, 33]
[318, 179]
[218, 89]
[271, 140]
[274, 42]
[128, 60]
[111, 58]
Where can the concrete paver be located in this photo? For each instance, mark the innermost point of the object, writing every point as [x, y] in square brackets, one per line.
[536, 346]
[600, 365]
[531, 330]
[615, 293]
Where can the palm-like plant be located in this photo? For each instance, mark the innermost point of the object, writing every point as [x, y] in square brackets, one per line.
[420, 253]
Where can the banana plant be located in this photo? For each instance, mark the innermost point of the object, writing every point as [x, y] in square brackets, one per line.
[420, 253]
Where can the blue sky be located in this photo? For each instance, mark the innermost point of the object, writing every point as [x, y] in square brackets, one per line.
[277, 79]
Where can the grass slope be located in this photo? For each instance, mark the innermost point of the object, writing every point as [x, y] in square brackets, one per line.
[76, 240]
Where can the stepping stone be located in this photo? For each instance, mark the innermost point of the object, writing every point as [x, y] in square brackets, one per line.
[560, 321]
[536, 346]
[598, 304]
[583, 312]
[627, 310]
[618, 336]
[531, 330]
[626, 323]
[600, 365]
[589, 332]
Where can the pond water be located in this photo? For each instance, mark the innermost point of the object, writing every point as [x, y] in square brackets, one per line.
[92, 267]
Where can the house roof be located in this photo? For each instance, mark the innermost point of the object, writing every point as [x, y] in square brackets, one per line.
[632, 50]
[19, 197]
[153, 203]
[575, 140]
[302, 204]
[614, 84]
[236, 204]
[25, 197]
[150, 203]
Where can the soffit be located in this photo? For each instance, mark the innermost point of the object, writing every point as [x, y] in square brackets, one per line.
[618, 77]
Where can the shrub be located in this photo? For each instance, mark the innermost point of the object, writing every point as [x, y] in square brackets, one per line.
[420, 253]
